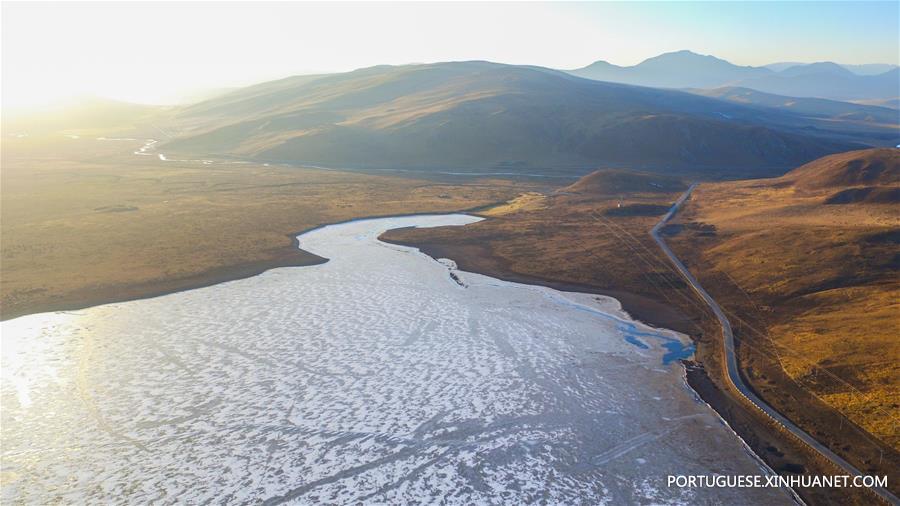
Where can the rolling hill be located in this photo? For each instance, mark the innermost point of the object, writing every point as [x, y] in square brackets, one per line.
[827, 81]
[869, 167]
[482, 115]
[870, 176]
[613, 182]
[809, 107]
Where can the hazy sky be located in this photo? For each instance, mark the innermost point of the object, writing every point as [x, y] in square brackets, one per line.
[151, 52]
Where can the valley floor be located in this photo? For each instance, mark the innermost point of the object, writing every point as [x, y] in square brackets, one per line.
[87, 221]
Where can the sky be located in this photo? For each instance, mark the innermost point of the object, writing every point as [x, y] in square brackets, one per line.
[165, 52]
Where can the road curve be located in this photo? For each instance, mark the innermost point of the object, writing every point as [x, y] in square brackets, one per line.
[734, 376]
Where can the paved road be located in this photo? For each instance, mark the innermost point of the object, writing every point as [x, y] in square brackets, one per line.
[734, 376]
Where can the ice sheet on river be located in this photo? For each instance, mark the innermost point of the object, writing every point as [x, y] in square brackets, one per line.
[375, 377]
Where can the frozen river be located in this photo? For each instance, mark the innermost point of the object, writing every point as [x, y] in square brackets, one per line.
[381, 376]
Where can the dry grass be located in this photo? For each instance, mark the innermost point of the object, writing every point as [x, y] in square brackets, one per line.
[531, 201]
[815, 283]
[86, 221]
[853, 333]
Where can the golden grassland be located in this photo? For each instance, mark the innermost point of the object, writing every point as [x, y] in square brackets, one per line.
[86, 221]
[531, 201]
[818, 284]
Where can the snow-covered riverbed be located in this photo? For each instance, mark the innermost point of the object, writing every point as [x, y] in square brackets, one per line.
[375, 377]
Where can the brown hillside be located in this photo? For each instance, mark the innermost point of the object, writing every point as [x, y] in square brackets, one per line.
[613, 181]
[813, 274]
[867, 194]
[867, 167]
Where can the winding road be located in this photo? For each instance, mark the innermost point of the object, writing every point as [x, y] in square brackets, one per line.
[734, 376]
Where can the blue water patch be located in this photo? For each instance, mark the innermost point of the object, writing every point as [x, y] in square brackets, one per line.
[676, 350]
[637, 342]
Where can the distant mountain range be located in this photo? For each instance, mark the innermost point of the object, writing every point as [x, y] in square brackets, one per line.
[482, 115]
[685, 69]
[865, 69]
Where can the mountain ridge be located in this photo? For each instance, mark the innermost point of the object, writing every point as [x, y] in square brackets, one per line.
[813, 107]
[480, 114]
[686, 69]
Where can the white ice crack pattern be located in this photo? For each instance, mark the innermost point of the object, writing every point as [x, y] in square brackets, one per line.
[371, 378]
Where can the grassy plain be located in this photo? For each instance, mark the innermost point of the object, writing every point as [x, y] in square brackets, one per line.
[86, 221]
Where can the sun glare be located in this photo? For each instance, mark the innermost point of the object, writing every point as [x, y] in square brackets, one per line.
[163, 52]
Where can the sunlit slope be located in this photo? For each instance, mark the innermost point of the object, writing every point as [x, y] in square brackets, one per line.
[617, 182]
[486, 115]
[816, 253]
[871, 167]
